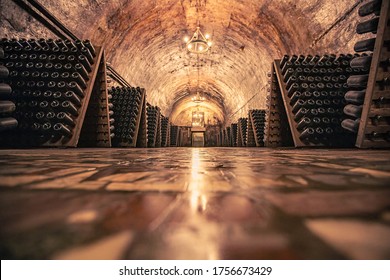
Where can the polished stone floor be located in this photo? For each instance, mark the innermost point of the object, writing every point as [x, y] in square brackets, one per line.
[194, 203]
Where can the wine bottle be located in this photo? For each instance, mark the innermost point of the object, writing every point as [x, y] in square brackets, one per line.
[79, 80]
[5, 90]
[63, 117]
[303, 123]
[81, 70]
[353, 110]
[370, 25]
[288, 73]
[355, 97]
[84, 61]
[369, 8]
[301, 113]
[291, 81]
[73, 86]
[357, 81]
[351, 125]
[67, 106]
[7, 107]
[365, 45]
[4, 72]
[72, 97]
[283, 61]
[63, 130]
[8, 123]
[363, 62]
[307, 133]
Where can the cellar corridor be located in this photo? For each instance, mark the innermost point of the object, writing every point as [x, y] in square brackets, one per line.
[195, 203]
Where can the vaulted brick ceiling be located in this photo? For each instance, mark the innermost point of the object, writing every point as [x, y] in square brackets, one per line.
[144, 42]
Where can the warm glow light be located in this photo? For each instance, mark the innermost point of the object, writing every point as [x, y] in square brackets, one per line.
[197, 98]
[209, 43]
[198, 200]
[198, 42]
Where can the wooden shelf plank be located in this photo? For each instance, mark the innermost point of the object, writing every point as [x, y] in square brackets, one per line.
[372, 90]
[291, 121]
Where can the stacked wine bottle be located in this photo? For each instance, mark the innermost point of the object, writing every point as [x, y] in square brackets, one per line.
[257, 120]
[228, 134]
[369, 101]
[158, 132]
[153, 124]
[315, 87]
[48, 80]
[7, 107]
[174, 136]
[355, 96]
[221, 138]
[165, 130]
[98, 129]
[233, 134]
[250, 136]
[277, 130]
[242, 126]
[127, 104]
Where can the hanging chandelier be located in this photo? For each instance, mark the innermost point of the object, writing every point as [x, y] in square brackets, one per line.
[197, 98]
[199, 43]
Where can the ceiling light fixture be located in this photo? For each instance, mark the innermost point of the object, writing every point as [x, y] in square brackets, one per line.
[198, 43]
[198, 98]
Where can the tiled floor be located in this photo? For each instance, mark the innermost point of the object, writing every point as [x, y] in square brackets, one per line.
[200, 203]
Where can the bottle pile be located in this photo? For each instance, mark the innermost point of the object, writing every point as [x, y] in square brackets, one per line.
[126, 110]
[7, 107]
[48, 80]
[153, 126]
[174, 136]
[375, 122]
[257, 120]
[315, 87]
[275, 111]
[242, 126]
[165, 130]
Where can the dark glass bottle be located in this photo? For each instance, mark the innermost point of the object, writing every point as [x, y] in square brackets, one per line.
[353, 110]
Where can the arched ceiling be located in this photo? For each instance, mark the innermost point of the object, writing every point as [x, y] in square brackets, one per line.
[144, 42]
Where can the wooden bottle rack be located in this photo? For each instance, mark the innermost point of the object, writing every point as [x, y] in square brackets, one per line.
[61, 141]
[154, 135]
[277, 131]
[174, 136]
[250, 135]
[233, 134]
[228, 139]
[96, 130]
[165, 131]
[140, 126]
[372, 134]
[341, 139]
[253, 129]
[73, 141]
[241, 133]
